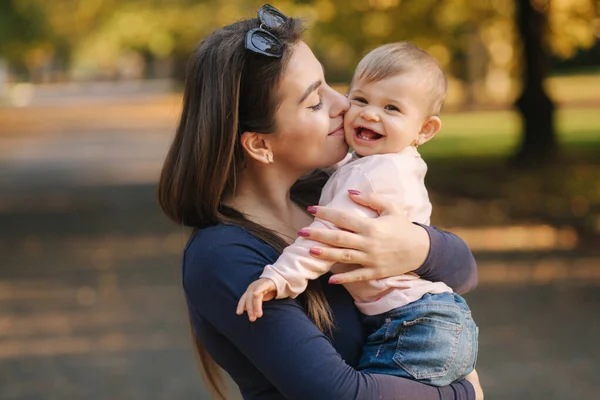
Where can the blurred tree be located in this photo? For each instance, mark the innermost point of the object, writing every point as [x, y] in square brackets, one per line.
[559, 25]
[475, 41]
[538, 143]
[23, 32]
[154, 29]
[584, 61]
[42, 35]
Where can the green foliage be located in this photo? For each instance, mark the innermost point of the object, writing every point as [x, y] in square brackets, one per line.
[23, 26]
[97, 33]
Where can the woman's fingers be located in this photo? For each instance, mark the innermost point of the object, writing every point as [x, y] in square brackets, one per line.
[351, 222]
[376, 202]
[344, 255]
[360, 274]
[334, 237]
[343, 219]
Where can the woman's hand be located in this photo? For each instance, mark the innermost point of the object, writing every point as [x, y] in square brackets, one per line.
[473, 378]
[387, 245]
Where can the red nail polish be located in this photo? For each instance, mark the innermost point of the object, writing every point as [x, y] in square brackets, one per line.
[333, 280]
[315, 251]
[355, 192]
[312, 209]
[304, 233]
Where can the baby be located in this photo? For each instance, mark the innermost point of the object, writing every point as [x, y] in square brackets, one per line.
[416, 328]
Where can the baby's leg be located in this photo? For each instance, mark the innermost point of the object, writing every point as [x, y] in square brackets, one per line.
[432, 340]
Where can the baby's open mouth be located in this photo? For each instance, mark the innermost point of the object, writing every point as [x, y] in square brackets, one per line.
[367, 134]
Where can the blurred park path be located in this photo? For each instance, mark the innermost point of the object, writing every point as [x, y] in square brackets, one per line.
[90, 302]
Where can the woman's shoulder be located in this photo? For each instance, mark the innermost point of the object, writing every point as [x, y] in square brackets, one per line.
[217, 235]
[224, 254]
[224, 236]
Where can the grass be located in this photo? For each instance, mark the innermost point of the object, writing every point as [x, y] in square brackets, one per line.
[471, 184]
[497, 133]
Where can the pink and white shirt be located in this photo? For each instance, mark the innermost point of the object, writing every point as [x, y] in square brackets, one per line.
[398, 176]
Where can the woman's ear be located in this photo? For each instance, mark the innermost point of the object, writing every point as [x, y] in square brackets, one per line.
[430, 127]
[256, 147]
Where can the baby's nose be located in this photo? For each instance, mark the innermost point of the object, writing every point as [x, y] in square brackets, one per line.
[370, 115]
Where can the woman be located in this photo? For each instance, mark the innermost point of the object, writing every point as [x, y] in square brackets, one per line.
[257, 116]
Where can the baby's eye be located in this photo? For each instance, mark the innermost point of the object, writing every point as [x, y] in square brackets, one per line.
[360, 100]
[391, 107]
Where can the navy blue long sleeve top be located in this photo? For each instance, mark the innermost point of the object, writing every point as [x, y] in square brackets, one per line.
[283, 355]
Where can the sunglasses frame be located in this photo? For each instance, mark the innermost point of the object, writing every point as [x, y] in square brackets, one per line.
[263, 29]
[269, 9]
[250, 45]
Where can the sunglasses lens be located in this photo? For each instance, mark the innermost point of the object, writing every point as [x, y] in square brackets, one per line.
[271, 17]
[266, 43]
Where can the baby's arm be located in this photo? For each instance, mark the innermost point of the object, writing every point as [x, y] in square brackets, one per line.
[292, 270]
[259, 291]
[400, 179]
[289, 275]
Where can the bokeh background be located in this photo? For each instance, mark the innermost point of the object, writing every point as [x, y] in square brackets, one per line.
[90, 90]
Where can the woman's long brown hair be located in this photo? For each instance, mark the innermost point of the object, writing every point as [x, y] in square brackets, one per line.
[229, 90]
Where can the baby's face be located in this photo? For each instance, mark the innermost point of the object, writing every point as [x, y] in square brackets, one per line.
[387, 115]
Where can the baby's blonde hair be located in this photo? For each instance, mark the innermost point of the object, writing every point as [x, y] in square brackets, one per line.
[397, 58]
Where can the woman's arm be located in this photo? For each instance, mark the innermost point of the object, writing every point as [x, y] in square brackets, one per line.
[390, 245]
[449, 261]
[284, 344]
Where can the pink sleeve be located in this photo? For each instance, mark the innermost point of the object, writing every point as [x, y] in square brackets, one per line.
[296, 266]
[402, 179]
[333, 168]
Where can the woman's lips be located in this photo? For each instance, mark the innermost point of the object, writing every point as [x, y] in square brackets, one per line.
[338, 132]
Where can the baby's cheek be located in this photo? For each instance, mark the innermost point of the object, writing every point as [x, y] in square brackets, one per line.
[351, 113]
[349, 134]
[349, 118]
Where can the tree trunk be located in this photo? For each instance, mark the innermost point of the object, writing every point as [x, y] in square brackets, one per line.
[538, 143]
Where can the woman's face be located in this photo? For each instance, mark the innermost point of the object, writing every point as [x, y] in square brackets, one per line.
[309, 121]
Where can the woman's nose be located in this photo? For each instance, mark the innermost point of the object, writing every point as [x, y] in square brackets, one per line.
[368, 114]
[339, 103]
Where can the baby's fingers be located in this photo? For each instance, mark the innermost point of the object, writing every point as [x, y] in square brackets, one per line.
[257, 300]
[241, 306]
[250, 306]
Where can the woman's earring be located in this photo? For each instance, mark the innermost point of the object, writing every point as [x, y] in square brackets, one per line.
[270, 158]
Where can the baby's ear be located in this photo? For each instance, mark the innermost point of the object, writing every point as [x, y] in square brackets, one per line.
[430, 127]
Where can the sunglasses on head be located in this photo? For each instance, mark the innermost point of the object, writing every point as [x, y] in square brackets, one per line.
[260, 40]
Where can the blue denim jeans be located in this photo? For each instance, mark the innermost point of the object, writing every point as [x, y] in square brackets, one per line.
[432, 340]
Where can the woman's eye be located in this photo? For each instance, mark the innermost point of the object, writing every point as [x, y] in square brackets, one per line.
[360, 100]
[390, 107]
[316, 107]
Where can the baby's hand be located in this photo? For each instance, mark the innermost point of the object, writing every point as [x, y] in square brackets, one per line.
[251, 301]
